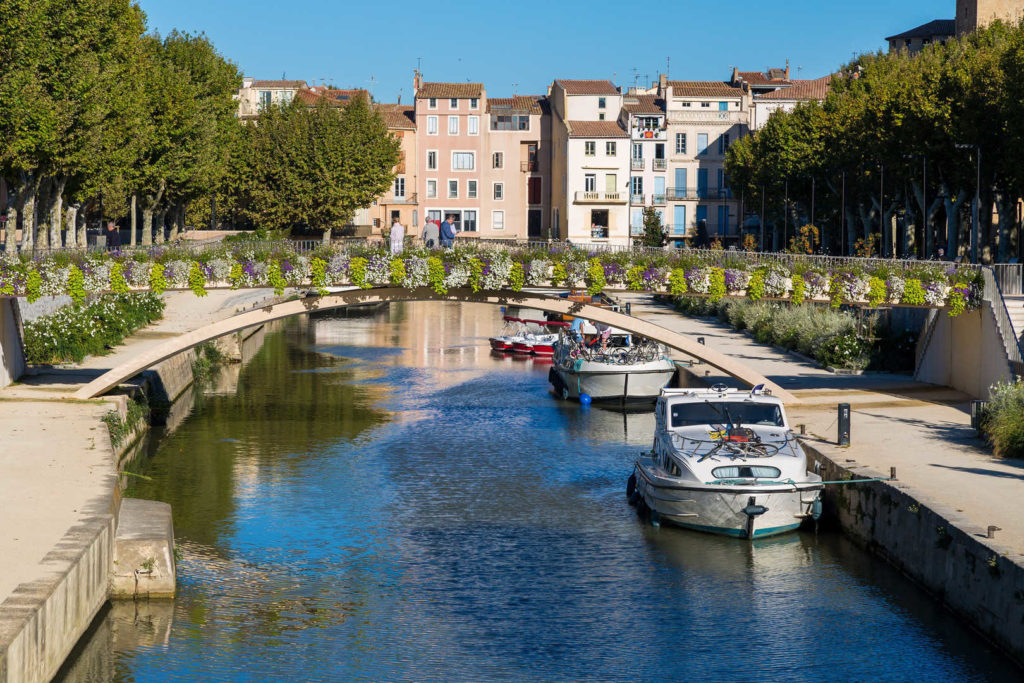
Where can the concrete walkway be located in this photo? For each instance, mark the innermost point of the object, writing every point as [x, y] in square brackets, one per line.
[56, 462]
[920, 429]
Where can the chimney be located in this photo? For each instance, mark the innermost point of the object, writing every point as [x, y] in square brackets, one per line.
[662, 84]
[787, 69]
[735, 75]
[417, 80]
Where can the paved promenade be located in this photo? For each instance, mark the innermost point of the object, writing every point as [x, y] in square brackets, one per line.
[920, 429]
[56, 463]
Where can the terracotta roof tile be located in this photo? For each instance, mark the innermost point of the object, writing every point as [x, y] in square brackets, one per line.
[812, 89]
[704, 89]
[398, 116]
[643, 104]
[519, 103]
[279, 84]
[596, 129]
[578, 87]
[443, 91]
[774, 77]
[331, 95]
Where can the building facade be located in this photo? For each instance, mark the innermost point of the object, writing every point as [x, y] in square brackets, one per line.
[811, 90]
[450, 131]
[401, 201]
[255, 95]
[590, 167]
[517, 169]
[643, 115]
[703, 119]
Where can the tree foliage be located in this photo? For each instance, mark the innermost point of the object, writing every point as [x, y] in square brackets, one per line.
[312, 167]
[888, 121]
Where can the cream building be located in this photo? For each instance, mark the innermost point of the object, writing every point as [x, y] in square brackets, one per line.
[517, 169]
[256, 94]
[401, 201]
[590, 163]
[704, 118]
[811, 90]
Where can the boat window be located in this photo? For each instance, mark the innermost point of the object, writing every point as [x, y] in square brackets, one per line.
[746, 472]
[713, 412]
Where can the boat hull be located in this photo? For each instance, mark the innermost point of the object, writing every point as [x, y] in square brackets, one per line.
[544, 349]
[524, 348]
[720, 509]
[499, 344]
[603, 382]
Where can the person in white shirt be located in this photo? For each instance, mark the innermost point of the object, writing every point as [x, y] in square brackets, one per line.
[397, 237]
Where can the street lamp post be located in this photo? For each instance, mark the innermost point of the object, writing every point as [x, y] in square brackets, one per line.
[842, 219]
[785, 216]
[976, 210]
[761, 243]
[925, 231]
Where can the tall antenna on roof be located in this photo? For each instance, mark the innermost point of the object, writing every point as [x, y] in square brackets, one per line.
[636, 77]
[515, 87]
[668, 66]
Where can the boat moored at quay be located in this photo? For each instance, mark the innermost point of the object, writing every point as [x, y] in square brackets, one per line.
[727, 463]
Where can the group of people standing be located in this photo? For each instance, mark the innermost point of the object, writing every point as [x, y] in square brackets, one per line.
[434, 234]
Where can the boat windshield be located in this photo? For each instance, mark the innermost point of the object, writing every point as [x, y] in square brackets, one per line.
[714, 412]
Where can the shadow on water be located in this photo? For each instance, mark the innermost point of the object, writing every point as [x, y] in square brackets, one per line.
[406, 506]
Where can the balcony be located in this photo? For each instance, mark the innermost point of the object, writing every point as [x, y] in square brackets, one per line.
[679, 194]
[657, 200]
[636, 199]
[529, 166]
[660, 164]
[726, 118]
[600, 198]
[637, 164]
[650, 134]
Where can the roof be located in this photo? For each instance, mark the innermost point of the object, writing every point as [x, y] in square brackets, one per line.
[295, 85]
[643, 104]
[704, 89]
[398, 116]
[773, 77]
[577, 87]
[443, 91]
[519, 104]
[808, 89]
[330, 95]
[939, 27]
[596, 129]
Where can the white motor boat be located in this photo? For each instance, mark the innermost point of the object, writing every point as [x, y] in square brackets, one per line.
[727, 463]
[617, 368]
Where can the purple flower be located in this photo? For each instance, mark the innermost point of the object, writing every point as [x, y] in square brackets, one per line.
[730, 279]
[249, 268]
[286, 267]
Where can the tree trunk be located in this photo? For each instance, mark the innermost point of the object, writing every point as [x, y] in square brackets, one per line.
[147, 226]
[57, 212]
[10, 243]
[177, 220]
[327, 236]
[131, 234]
[42, 214]
[28, 211]
[1007, 217]
[70, 211]
[158, 225]
[952, 205]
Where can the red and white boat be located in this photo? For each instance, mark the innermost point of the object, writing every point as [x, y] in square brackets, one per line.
[514, 329]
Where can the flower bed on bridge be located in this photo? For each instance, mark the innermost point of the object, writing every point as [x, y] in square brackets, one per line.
[480, 266]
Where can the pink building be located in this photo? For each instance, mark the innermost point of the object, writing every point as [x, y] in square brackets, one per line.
[451, 149]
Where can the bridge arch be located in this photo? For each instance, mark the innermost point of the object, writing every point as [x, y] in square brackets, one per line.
[355, 297]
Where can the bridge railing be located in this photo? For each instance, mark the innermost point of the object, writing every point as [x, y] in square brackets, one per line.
[995, 296]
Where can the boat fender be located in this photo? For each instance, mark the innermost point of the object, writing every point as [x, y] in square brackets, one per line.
[578, 365]
[631, 489]
[585, 399]
[816, 508]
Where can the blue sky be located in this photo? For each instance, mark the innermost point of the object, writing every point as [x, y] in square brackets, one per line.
[522, 45]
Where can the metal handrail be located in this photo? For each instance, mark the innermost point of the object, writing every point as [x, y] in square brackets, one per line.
[994, 295]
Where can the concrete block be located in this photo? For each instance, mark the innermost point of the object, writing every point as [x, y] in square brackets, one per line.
[143, 551]
[12, 353]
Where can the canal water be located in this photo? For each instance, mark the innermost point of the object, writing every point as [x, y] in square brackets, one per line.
[377, 497]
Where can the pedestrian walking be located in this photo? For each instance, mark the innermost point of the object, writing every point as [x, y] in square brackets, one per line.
[448, 232]
[113, 237]
[431, 234]
[397, 237]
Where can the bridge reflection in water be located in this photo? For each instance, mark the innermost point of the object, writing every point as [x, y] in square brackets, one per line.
[385, 500]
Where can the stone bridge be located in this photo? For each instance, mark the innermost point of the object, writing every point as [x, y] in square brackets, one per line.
[546, 302]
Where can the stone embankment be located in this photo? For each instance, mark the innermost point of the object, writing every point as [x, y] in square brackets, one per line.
[932, 523]
[67, 538]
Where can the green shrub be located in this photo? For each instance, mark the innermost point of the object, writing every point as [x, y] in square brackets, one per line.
[1003, 420]
[79, 330]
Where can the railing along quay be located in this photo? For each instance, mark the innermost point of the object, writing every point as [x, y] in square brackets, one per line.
[995, 296]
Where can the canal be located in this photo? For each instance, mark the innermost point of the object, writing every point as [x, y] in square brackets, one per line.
[377, 497]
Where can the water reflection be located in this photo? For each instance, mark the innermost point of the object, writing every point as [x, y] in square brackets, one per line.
[384, 499]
